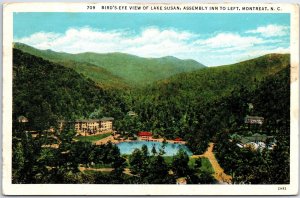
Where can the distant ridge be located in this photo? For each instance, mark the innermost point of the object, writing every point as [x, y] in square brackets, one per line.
[117, 68]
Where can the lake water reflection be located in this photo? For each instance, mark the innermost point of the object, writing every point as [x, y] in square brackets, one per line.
[170, 149]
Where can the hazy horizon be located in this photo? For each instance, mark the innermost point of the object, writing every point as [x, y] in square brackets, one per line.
[210, 39]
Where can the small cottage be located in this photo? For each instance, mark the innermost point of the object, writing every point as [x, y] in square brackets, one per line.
[22, 119]
[254, 120]
[145, 135]
[131, 113]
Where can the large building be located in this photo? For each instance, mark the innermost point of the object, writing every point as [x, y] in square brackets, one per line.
[256, 141]
[91, 126]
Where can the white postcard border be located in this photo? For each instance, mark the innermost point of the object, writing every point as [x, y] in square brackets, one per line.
[98, 189]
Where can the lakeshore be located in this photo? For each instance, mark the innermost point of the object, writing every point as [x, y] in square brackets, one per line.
[115, 139]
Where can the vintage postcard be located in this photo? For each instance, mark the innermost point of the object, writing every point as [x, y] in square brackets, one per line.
[150, 99]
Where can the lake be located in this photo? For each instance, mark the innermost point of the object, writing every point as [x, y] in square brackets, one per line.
[170, 149]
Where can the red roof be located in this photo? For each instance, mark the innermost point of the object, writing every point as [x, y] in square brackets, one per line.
[178, 139]
[145, 133]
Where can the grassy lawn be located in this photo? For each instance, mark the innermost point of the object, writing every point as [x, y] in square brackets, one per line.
[168, 159]
[91, 172]
[192, 162]
[206, 165]
[92, 138]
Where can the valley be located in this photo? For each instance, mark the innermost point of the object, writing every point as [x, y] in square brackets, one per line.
[172, 98]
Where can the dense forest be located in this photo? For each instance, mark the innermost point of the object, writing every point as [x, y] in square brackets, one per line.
[45, 92]
[206, 105]
[271, 100]
[193, 105]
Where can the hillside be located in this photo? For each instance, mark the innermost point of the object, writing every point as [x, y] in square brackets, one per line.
[216, 82]
[193, 105]
[100, 76]
[270, 100]
[45, 92]
[120, 68]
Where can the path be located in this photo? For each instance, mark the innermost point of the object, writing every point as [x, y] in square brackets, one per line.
[126, 170]
[105, 140]
[219, 174]
[151, 139]
[93, 134]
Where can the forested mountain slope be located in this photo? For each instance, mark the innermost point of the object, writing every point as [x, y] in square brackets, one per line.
[193, 105]
[45, 92]
[270, 100]
[214, 82]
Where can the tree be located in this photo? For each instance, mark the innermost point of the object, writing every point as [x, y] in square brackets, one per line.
[136, 162]
[119, 163]
[180, 165]
[198, 163]
[205, 177]
[18, 161]
[66, 136]
[153, 150]
[145, 152]
[82, 152]
[158, 171]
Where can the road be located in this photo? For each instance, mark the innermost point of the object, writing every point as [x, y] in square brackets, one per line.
[219, 174]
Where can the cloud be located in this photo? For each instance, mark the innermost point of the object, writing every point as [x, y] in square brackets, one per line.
[229, 40]
[270, 30]
[40, 40]
[151, 41]
[215, 49]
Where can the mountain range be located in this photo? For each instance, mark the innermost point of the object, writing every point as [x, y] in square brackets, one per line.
[119, 70]
[84, 86]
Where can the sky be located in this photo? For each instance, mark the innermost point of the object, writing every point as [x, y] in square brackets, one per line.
[210, 38]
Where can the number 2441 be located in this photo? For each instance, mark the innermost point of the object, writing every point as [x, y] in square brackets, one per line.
[282, 188]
